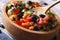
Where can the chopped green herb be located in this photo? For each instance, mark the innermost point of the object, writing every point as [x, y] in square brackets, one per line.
[50, 13]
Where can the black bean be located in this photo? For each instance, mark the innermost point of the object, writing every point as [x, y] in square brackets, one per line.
[34, 18]
[45, 4]
[42, 15]
[36, 28]
[20, 15]
[12, 5]
[30, 2]
[21, 9]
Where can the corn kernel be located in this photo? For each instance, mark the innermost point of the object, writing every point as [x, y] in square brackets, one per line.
[26, 24]
[9, 13]
[11, 2]
[25, 15]
[11, 17]
[31, 23]
[29, 12]
[29, 7]
[31, 27]
[15, 16]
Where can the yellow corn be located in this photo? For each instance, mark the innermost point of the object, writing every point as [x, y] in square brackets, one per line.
[11, 17]
[26, 24]
[25, 15]
[11, 2]
[31, 23]
[31, 27]
[9, 13]
[15, 16]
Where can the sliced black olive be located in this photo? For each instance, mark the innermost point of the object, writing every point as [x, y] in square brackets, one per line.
[42, 15]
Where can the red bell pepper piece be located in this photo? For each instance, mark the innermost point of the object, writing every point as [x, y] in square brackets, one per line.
[18, 22]
[36, 4]
[16, 11]
[29, 18]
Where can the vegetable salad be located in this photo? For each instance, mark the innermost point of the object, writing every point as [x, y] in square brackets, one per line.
[23, 14]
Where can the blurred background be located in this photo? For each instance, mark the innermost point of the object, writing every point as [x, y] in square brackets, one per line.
[4, 35]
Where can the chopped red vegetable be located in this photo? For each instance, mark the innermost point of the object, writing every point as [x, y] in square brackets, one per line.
[18, 22]
[16, 11]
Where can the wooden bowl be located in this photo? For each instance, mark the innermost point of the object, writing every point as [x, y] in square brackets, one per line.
[20, 33]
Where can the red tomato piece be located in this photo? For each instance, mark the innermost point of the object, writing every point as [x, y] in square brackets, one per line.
[24, 26]
[29, 18]
[18, 22]
[24, 7]
[25, 20]
[40, 22]
[45, 21]
[21, 20]
[16, 11]
[47, 18]
[36, 4]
